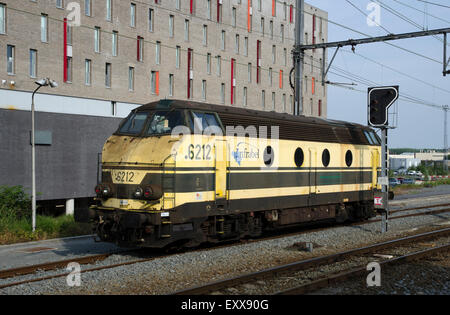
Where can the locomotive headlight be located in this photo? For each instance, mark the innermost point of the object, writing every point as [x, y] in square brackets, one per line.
[98, 190]
[139, 192]
[148, 192]
[106, 191]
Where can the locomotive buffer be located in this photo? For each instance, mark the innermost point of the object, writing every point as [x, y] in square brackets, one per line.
[379, 101]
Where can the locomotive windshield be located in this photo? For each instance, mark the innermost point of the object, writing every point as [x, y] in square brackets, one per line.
[134, 123]
[163, 122]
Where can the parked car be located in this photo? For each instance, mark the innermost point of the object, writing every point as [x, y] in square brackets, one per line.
[408, 181]
[393, 182]
[412, 173]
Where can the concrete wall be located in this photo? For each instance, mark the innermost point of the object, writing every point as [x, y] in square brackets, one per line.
[65, 169]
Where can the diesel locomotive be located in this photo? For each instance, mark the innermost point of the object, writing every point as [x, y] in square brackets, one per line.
[181, 173]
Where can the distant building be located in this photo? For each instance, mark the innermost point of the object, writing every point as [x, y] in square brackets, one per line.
[403, 161]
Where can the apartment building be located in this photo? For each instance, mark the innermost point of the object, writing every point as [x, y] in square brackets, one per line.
[110, 56]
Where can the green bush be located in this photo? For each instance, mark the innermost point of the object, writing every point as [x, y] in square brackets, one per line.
[14, 203]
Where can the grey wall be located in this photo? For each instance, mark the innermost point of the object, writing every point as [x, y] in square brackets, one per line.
[65, 169]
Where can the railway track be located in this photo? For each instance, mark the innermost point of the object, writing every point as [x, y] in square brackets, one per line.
[27, 270]
[292, 269]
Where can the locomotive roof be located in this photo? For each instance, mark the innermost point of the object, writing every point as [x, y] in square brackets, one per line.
[291, 127]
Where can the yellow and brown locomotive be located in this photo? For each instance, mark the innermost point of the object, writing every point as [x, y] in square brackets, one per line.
[180, 172]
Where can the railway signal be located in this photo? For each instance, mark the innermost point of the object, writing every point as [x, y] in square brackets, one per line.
[380, 99]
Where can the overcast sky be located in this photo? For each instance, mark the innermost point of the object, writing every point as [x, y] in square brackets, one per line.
[419, 126]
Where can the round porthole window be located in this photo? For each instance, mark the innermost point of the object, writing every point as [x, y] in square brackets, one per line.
[326, 158]
[269, 155]
[299, 157]
[349, 158]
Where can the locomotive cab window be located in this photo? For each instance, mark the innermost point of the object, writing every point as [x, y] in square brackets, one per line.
[163, 122]
[134, 123]
[203, 121]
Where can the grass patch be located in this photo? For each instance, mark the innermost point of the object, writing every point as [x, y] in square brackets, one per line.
[15, 220]
[15, 231]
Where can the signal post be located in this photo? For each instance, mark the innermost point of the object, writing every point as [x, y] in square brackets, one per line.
[379, 101]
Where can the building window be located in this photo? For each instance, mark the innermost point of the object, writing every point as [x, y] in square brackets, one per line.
[140, 48]
[177, 57]
[171, 25]
[170, 84]
[204, 90]
[2, 18]
[282, 33]
[208, 9]
[186, 30]
[109, 10]
[133, 15]
[245, 96]
[205, 35]
[259, 5]
[262, 26]
[249, 73]
[97, 39]
[208, 63]
[284, 103]
[44, 28]
[87, 72]
[69, 34]
[273, 100]
[285, 56]
[87, 7]
[10, 57]
[60, 4]
[263, 99]
[274, 54]
[108, 75]
[270, 76]
[233, 17]
[236, 47]
[130, 78]
[222, 42]
[271, 29]
[219, 65]
[178, 4]
[158, 53]
[114, 43]
[222, 93]
[154, 82]
[33, 63]
[245, 46]
[69, 69]
[151, 19]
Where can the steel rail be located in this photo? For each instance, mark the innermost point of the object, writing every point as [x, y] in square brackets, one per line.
[308, 263]
[348, 274]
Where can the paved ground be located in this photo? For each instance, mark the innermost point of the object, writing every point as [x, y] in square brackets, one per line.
[31, 253]
[425, 192]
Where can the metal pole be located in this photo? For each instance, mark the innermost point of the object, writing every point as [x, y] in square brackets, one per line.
[445, 139]
[298, 57]
[33, 166]
[384, 174]
[445, 55]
